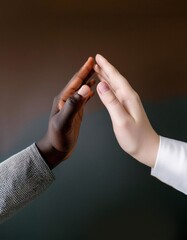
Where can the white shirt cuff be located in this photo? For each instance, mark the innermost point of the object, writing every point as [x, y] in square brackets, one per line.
[171, 164]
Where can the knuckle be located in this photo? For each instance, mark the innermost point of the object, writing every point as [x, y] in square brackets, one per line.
[113, 71]
[55, 126]
[114, 101]
[135, 96]
[124, 124]
[72, 100]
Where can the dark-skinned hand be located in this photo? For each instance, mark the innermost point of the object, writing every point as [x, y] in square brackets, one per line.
[66, 116]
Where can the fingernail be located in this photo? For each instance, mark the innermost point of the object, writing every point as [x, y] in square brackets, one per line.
[103, 87]
[84, 91]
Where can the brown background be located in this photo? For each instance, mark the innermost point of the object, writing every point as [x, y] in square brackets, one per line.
[42, 44]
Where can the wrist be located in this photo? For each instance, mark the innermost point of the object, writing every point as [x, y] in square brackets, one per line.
[149, 150]
[50, 155]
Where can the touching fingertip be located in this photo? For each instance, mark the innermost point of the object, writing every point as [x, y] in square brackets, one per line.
[90, 59]
[96, 68]
[97, 56]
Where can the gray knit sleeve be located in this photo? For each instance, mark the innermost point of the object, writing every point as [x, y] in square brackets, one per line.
[22, 177]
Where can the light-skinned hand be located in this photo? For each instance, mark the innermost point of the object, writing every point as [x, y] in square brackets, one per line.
[131, 126]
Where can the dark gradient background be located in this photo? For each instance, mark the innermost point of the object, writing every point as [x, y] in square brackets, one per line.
[100, 192]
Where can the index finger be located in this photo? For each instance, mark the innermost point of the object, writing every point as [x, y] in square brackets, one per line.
[110, 73]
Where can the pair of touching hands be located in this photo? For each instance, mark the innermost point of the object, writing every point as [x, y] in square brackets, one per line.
[131, 126]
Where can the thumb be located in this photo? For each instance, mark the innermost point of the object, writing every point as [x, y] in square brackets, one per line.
[73, 104]
[115, 108]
